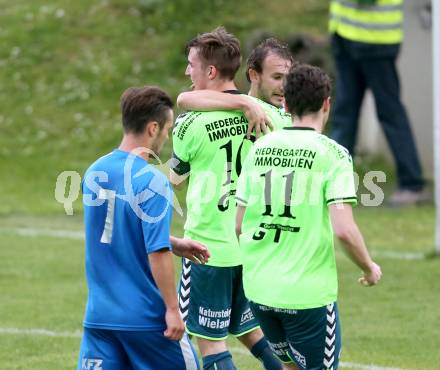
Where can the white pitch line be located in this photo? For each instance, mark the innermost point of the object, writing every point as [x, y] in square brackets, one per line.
[79, 235]
[237, 350]
[41, 332]
[352, 365]
[409, 256]
[402, 256]
[65, 234]
[349, 365]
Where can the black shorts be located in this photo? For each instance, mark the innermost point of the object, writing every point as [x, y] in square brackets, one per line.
[311, 338]
[216, 304]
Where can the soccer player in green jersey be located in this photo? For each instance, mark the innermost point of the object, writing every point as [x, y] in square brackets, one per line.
[210, 146]
[267, 66]
[295, 191]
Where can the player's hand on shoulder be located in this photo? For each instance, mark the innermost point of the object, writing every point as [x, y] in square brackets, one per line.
[372, 276]
[192, 250]
[257, 119]
[175, 325]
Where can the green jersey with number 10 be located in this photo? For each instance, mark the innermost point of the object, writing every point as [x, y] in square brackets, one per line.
[287, 182]
[211, 147]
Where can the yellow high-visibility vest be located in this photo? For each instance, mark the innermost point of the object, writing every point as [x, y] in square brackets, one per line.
[378, 22]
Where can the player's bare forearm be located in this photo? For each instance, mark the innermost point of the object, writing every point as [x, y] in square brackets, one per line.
[207, 100]
[190, 249]
[351, 239]
[353, 243]
[162, 268]
[355, 247]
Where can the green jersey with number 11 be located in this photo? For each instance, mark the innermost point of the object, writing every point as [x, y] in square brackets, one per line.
[287, 182]
[211, 147]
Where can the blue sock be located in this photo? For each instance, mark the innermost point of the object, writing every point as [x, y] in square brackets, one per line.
[262, 352]
[219, 361]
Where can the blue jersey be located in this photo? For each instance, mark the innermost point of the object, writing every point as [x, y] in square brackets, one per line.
[127, 215]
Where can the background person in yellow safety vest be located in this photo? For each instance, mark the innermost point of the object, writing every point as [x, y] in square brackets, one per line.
[366, 37]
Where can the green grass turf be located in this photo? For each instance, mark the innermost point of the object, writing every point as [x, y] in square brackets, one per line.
[63, 66]
[394, 324]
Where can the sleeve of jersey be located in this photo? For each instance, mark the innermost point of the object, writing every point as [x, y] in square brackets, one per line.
[340, 186]
[157, 214]
[243, 185]
[184, 144]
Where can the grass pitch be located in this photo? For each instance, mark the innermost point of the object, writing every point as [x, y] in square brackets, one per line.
[64, 65]
[393, 325]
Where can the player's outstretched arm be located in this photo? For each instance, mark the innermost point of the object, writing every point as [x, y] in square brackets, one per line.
[190, 249]
[207, 100]
[346, 230]
[162, 268]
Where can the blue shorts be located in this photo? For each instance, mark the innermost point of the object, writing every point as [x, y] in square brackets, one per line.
[213, 302]
[103, 349]
[311, 338]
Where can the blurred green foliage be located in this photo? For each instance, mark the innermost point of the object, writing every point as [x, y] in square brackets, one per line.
[64, 65]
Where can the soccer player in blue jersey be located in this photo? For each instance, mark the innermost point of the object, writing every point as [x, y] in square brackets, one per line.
[132, 319]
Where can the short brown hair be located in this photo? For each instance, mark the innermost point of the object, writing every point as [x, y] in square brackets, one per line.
[305, 89]
[140, 105]
[219, 48]
[260, 53]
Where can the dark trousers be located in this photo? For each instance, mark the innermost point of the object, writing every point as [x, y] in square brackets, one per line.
[359, 68]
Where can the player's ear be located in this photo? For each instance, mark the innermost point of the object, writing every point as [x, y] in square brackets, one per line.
[212, 72]
[326, 105]
[254, 76]
[152, 128]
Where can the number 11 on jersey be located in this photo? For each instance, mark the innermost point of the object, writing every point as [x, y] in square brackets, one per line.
[259, 235]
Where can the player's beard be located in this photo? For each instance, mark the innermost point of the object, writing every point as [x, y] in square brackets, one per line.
[266, 95]
[156, 147]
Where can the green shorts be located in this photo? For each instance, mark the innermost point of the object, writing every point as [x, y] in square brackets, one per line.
[214, 302]
[311, 338]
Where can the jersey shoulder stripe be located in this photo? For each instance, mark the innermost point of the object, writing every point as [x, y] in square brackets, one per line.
[337, 150]
[183, 123]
